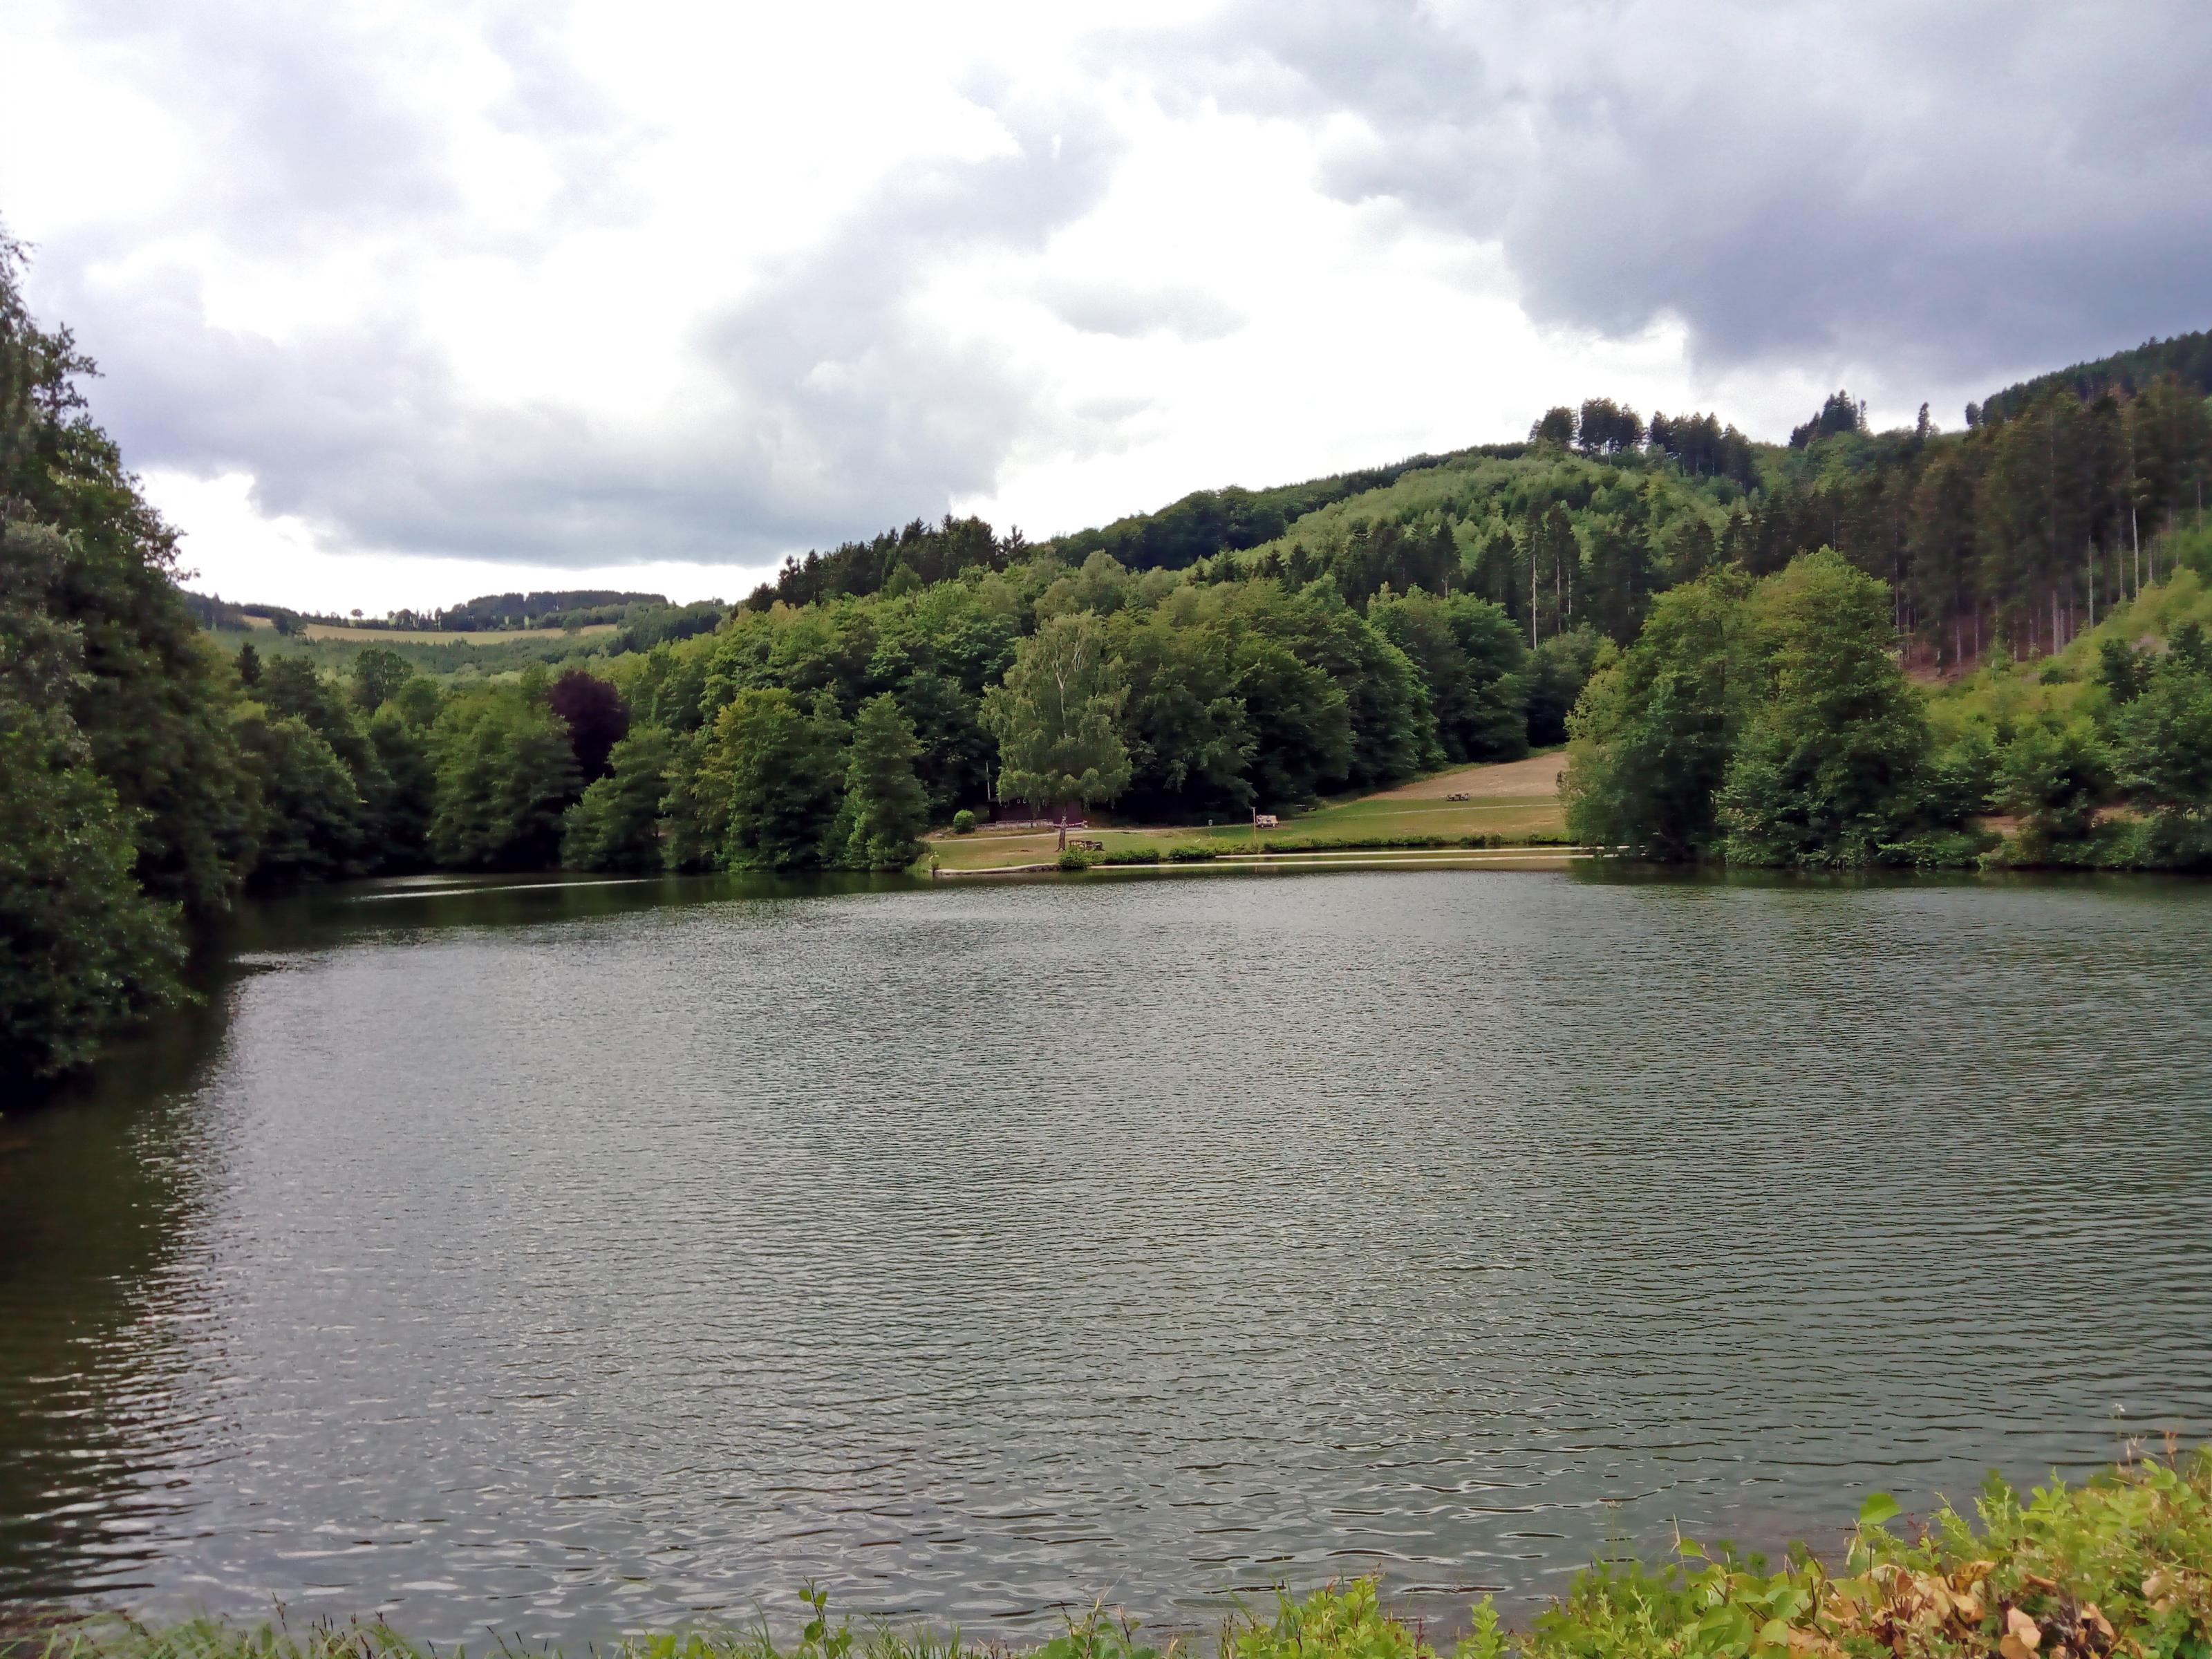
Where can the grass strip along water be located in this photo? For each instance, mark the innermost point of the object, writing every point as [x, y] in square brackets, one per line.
[2121, 1566]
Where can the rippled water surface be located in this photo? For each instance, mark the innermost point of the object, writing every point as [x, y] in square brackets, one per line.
[576, 1259]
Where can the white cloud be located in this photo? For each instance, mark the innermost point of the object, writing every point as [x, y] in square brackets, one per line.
[231, 549]
[402, 302]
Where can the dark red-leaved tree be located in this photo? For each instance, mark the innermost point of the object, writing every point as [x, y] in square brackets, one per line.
[598, 718]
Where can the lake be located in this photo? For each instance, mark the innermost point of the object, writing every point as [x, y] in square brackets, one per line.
[578, 1258]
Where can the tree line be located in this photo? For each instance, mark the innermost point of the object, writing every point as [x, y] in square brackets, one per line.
[2007, 540]
[2187, 358]
[1768, 721]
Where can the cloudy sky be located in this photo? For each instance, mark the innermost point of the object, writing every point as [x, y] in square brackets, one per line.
[399, 303]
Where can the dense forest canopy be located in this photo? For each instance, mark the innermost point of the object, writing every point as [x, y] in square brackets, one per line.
[2185, 358]
[1724, 628]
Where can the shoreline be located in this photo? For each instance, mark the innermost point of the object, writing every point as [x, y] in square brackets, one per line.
[1440, 858]
[2120, 1565]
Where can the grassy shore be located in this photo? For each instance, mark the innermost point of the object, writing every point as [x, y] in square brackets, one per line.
[1514, 803]
[2121, 1566]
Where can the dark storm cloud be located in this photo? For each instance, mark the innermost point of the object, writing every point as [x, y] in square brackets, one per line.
[845, 410]
[1956, 190]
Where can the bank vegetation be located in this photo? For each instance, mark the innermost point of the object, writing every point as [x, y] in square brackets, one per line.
[2120, 1568]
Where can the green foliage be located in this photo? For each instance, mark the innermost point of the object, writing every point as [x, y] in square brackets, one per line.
[768, 781]
[884, 805]
[2051, 776]
[963, 823]
[506, 774]
[1830, 765]
[1555, 539]
[83, 949]
[122, 800]
[315, 815]
[147, 701]
[1300, 718]
[1392, 726]
[1469, 658]
[344, 819]
[2103, 761]
[1190, 737]
[2162, 758]
[1057, 718]
[616, 823]
[1344, 1621]
[2187, 357]
[377, 674]
[1656, 732]
[399, 732]
[1770, 724]
[1556, 672]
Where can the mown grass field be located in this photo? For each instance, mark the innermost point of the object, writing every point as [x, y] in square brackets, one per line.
[1514, 800]
[435, 636]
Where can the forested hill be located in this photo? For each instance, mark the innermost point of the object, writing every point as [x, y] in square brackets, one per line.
[2016, 534]
[1202, 524]
[1210, 521]
[2186, 357]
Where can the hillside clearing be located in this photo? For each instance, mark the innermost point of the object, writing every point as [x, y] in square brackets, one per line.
[439, 636]
[1510, 800]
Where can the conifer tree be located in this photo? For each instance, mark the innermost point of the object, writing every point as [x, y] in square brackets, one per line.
[886, 808]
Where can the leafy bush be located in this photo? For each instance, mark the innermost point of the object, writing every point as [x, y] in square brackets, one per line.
[963, 823]
[1343, 1621]
[1070, 858]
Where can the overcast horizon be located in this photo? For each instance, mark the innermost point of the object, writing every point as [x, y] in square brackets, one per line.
[398, 306]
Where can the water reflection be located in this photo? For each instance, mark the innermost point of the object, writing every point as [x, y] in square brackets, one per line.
[98, 1198]
[571, 1258]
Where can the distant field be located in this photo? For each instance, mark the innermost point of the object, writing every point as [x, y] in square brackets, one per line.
[991, 849]
[434, 636]
[1514, 799]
